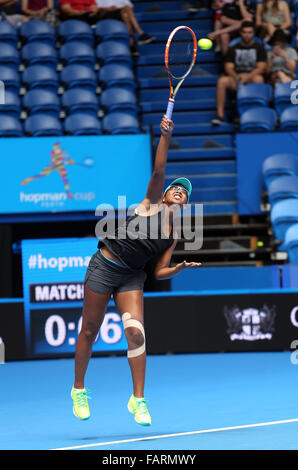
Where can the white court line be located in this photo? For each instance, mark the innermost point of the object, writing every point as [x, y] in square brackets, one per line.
[163, 436]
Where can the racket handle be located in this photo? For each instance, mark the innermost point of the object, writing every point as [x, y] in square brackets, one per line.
[170, 108]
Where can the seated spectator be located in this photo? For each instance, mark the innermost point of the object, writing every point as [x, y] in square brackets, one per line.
[231, 17]
[85, 10]
[125, 11]
[244, 63]
[40, 10]
[272, 15]
[281, 64]
[9, 13]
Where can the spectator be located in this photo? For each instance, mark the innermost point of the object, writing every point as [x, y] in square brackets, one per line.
[40, 10]
[244, 63]
[85, 10]
[125, 11]
[9, 13]
[272, 14]
[232, 16]
[282, 59]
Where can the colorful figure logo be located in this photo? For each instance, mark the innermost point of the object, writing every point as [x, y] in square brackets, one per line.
[59, 159]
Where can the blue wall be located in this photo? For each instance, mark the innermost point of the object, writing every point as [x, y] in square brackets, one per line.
[227, 278]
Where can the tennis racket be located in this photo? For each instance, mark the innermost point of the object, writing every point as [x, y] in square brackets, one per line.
[180, 57]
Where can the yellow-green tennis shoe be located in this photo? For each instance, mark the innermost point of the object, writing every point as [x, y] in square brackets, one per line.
[80, 403]
[138, 407]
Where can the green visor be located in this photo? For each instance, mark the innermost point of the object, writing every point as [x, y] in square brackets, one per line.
[184, 182]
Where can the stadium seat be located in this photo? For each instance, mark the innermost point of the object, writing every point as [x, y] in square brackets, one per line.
[120, 123]
[77, 52]
[36, 76]
[10, 126]
[39, 53]
[80, 99]
[253, 95]
[8, 33]
[116, 75]
[284, 187]
[106, 30]
[282, 96]
[291, 243]
[280, 164]
[41, 100]
[113, 51]
[283, 214]
[118, 99]
[289, 118]
[76, 75]
[258, 119]
[82, 124]
[12, 104]
[37, 30]
[43, 124]
[9, 55]
[75, 30]
[10, 77]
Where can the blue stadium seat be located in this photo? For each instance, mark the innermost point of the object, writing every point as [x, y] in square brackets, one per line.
[9, 55]
[118, 99]
[258, 119]
[39, 53]
[10, 126]
[289, 118]
[253, 95]
[82, 124]
[75, 30]
[43, 124]
[283, 214]
[291, 243]
[284, 187]
[280, 164]
[282, 96]
[41, 100]
[10, 77]
[76, 75]
[116, 75]
[80, 99]
[40, 76]
[120, 123]
[106, 30]
[8, 33]
[77, 52]
[12, 105]
[37, 30]
[113, 51]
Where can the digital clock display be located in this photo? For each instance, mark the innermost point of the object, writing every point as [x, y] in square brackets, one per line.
[55, 331]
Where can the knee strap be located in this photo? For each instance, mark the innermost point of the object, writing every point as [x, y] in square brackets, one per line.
[130, 322]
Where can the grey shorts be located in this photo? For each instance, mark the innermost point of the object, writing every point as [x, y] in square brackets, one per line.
[106, 277]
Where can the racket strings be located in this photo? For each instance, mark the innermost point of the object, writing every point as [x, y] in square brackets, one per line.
[181, 53]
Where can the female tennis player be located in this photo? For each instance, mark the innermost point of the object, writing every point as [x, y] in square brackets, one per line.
[117, 269]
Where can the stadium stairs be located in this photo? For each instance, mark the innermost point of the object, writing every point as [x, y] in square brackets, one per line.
[200, 151]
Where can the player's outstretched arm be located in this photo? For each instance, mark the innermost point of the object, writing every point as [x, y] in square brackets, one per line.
[154, 193]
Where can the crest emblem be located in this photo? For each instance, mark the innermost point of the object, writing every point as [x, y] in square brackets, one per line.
[250, 324]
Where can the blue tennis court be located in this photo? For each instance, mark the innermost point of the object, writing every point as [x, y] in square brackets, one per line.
[218, 401]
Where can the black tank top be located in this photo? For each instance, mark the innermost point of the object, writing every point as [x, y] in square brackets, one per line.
[138, 240]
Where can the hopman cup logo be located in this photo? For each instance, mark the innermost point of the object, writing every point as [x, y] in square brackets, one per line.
[250, 324]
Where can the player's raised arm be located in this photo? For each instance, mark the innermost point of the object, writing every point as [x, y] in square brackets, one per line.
[154, 193]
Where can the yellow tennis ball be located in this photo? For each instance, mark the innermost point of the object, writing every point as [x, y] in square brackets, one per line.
[205, 44]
